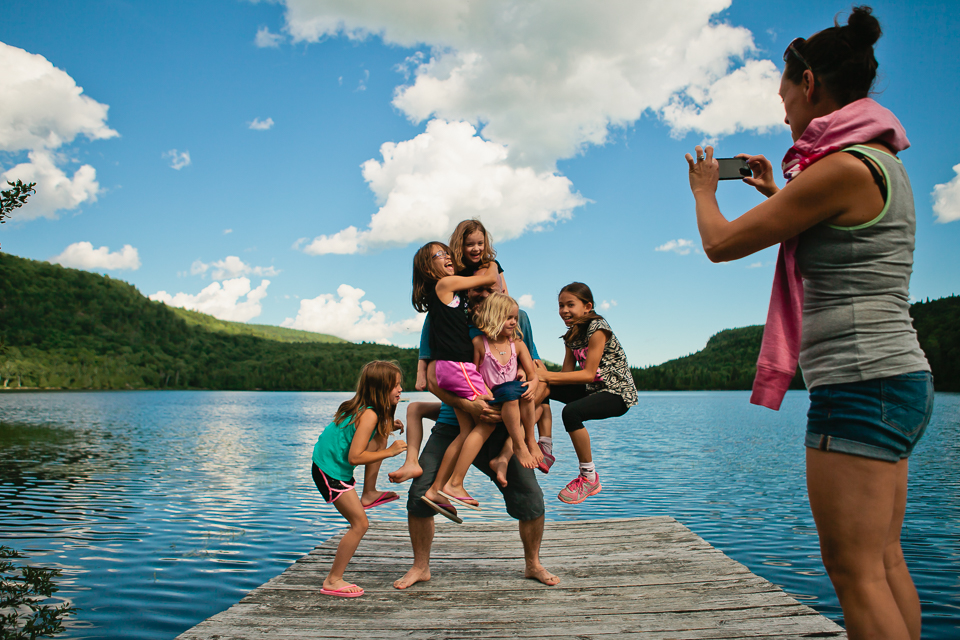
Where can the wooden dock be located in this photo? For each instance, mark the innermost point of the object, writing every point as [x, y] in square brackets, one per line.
[649, 577]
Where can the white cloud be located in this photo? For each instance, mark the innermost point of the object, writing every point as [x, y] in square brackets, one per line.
[347, 315]
[526, 301]
[226, 231]
[82, 255]
[265, 39]
[755, 265]
[178, 160]
[230, 267]
[946, 199]
[538, 81]
[606, 304]
[43, 110]
[681, 246]
[260, 125]
[425, 186]
[221, 300]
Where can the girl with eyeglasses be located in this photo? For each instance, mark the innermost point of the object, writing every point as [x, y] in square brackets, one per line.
[840, 306]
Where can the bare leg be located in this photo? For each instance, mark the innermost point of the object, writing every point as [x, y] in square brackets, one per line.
[499, 463]
[349, 507]
[528, 417]
[370, 472]
[510, 413]
[581, 444]
[531, 534]
[421, 538]
[545, 422]
[468, 452]
[858, 505]
[450, 458]
[416, 412]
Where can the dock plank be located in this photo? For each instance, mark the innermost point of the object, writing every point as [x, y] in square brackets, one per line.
[620, 578]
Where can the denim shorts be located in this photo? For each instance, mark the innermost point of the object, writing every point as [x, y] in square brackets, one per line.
[507, 391]
[881, 419]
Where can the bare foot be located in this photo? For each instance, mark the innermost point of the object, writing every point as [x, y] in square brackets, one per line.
[408, 471]
[412, 577]
[460, 494]
[534, 449]
[540, 573]
[499, 467]
[524, 457]
[370, 497]
[341, 585]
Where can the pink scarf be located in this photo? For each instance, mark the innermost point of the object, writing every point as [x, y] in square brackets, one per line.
[856, 123]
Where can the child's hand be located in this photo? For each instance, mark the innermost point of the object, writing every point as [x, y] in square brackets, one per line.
[521, 375]
[398, 425]
[398, 447]
[531, 389]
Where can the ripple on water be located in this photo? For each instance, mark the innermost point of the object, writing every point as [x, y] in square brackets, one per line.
[163, 508]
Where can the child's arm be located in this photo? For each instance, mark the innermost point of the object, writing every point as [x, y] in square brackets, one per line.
[421, 384]
[424, 357]
[503, 285]
[478, 351]
[358, 453]
[589, 372]
[448, 284]
[526, 363]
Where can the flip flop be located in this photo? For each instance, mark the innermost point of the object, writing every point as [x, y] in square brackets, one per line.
[446, 510]
[384, 498]
[460, 501]
[340, 593]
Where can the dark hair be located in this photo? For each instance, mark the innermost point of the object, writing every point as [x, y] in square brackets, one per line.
[578, 329]
[841, 58]
[425, 274]
[377, 380]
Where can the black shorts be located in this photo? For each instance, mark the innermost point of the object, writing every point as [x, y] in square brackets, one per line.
[522, 495]
[330, 488]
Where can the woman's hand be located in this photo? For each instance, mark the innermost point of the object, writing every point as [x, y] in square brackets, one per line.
[542, 373]
[762, 179]
[705, 172]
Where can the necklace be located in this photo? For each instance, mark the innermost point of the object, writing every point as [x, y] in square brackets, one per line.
[497, 347]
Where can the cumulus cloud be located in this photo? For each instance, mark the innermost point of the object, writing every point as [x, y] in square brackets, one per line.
[82, 255]
[178, 160]
[537, 81]
[233, 299]
[606, 304]
[347, 315]
[946, 199]
[260, 125]
[681, 246]
[229, 267]
[226, 231]
[265, 39]
[526, 301]
[43, 110]
[425, 186]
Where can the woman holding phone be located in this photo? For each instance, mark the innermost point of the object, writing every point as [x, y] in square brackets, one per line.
[841, 304]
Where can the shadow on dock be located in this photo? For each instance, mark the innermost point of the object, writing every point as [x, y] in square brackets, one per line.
[620, 578]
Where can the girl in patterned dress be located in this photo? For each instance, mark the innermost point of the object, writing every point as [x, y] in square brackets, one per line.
[602, 387]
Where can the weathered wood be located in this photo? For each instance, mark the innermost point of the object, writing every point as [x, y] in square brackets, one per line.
[649, 576]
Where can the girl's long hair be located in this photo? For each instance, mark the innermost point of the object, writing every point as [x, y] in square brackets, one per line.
[492, 314]
[377, 381]
[425, 274]
[578, 330]
[458, 239]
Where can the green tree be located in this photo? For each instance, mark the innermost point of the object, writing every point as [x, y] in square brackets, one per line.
[23, 591]
[14, 198]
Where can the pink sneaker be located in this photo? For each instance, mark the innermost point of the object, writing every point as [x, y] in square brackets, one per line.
[579, 489]
[548, 460]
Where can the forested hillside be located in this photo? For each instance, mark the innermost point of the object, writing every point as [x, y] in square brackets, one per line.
[78, 330]
[729, 361]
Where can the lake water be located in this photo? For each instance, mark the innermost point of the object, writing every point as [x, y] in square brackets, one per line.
[164, 508]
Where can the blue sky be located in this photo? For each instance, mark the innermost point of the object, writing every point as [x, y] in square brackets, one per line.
[230, 155]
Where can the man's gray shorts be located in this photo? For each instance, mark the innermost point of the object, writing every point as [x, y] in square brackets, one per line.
[522, 495]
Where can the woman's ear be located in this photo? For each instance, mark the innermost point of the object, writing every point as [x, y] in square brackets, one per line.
[808, 84]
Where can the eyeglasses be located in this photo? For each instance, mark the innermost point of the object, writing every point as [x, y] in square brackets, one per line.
[792, 48]
[441, 254]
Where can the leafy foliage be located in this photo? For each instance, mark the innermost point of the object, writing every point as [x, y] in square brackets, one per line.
[729, 361]
[72, 329]
[280, 334]
[23, 591]
[14, 198]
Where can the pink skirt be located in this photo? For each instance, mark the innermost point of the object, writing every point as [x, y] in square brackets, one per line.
[461, 379]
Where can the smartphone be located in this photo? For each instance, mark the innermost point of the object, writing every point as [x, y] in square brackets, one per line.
[733, 168]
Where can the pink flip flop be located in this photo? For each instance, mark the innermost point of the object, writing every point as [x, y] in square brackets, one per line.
[385, 497]
[446, 510]
[462, 501]
[340, 593]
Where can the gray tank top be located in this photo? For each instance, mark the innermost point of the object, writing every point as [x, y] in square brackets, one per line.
[856, 301]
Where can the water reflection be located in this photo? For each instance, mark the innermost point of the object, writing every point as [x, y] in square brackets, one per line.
[187, 500]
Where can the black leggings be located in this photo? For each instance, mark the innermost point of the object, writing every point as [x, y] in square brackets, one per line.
[582, 405]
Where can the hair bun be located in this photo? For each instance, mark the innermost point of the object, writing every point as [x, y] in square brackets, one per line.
[862, 29]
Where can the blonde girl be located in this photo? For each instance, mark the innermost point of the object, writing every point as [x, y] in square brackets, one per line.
[471, 247]
[435, 287]
[595, 382]
[497, 352]
[357, 435]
